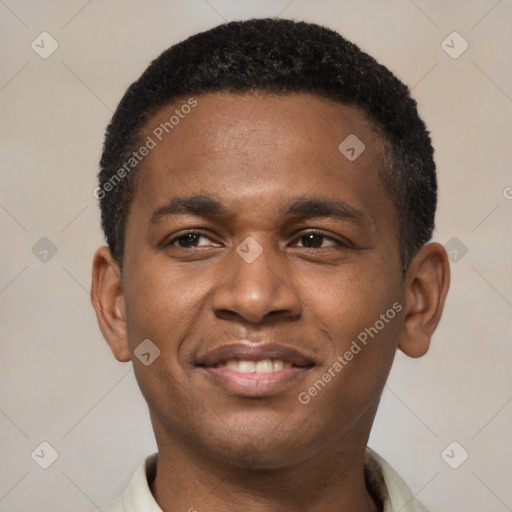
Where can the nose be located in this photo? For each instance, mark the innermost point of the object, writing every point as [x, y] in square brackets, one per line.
[256, 291]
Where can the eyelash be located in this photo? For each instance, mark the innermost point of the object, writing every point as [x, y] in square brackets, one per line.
[339, 243]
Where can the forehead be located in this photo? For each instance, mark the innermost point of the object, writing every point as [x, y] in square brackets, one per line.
[263, 129]
[255, 148]
[221, 122]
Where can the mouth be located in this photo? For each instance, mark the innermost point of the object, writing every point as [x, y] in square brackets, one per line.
[255, 370]
[261, 366]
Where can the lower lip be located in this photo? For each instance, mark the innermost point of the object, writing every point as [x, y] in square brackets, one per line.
[256, 384]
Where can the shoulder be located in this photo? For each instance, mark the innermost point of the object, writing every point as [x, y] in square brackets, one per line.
[114, 506]
[390, 487]
[137, 495]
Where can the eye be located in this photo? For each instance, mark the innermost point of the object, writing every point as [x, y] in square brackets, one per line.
[186, 240]
[309, 240]
[315, 239]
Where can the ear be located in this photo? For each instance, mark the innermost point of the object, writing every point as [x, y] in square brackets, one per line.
[107, 298]
[427, 282]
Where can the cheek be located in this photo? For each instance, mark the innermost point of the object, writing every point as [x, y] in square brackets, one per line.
[160, 307]
[164, 304]
[361, 313]
[156, 300]
[350, 299]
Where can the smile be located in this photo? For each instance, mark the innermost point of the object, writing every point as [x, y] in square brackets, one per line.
[262, 366]
[254, 379]
[254, 370]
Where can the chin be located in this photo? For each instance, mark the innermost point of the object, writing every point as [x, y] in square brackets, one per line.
[250, 455]
[264, 449]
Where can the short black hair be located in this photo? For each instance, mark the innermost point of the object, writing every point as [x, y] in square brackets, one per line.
[281, 56]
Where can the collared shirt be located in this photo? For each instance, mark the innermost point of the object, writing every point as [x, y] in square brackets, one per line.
[383, 481]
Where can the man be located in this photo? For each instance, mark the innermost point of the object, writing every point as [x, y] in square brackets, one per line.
[267, 194]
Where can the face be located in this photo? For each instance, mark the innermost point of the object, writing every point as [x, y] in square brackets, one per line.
[263, 264]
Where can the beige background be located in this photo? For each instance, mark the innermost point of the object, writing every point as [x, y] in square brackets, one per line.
[58, 380]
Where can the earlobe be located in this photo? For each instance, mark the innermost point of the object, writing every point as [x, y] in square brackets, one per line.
[426, 286]
[108, 301]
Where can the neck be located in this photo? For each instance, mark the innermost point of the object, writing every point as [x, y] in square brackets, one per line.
[330, 479]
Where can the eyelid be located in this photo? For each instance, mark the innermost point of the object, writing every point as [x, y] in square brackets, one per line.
[343, 242]
[177, 236]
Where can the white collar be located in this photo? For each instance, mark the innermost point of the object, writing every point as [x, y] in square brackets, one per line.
[392, 490]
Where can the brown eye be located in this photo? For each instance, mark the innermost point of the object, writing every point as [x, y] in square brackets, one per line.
[315, 240]
[187, 240]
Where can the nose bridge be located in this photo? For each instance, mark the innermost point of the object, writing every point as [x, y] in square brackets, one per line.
[257, 265]
[256, 284]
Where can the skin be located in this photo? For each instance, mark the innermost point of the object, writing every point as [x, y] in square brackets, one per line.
[252, 152]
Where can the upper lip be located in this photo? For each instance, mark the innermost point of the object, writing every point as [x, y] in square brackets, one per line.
[248, 351]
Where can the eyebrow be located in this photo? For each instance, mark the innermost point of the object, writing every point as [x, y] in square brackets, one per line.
[202, 206]
[302, 206]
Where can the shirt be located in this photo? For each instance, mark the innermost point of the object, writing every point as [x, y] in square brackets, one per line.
[384, 483]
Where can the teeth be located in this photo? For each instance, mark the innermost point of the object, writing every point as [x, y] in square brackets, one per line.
[263, 366]
[278, 365]
[246, 366]
[232, 365]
